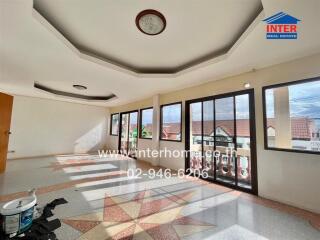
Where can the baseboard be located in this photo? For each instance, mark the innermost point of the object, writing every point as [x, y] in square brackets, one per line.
[289, 203]
[51, 155]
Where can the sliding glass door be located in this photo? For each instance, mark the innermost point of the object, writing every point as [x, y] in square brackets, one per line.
[220, 137]
[128, 137]
[224, 140]
[208, 136]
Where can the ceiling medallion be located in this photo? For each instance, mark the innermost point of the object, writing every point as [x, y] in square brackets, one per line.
[151, 22]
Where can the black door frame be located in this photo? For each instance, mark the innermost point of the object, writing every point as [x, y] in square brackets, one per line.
[120, 128]
[253, 145]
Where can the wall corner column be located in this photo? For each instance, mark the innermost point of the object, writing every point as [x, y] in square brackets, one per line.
[282, 118]
[156, 129]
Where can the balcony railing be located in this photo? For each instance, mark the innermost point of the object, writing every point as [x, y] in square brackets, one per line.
[225, 162]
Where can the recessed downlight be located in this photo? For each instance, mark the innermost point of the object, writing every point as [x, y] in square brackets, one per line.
[79, 87]
[247, 85]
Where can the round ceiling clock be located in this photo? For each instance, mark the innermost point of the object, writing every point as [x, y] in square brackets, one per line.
[151, 22]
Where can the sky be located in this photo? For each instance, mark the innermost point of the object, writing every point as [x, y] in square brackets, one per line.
[147, 116]
[304, 100]
[224, 109]
[171, 113]
[133, 118]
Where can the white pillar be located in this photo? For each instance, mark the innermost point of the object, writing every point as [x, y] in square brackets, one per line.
[282, 118]
[156, 129]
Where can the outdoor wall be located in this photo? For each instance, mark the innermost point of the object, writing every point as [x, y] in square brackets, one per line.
[291, 178]
[44, 127]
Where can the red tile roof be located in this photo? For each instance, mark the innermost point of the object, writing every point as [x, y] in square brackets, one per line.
[172, 128]
[301, 128]
[243, 127]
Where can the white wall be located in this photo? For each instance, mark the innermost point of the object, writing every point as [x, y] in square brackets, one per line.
[144, 144]
[172, 161]
[112, 142]
[44, 127]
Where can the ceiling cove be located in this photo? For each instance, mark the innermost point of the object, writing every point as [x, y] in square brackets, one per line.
[73, 95]
[210, 57]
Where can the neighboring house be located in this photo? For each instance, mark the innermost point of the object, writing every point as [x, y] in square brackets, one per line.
[304, 134]
[171, 131]
[224, 132]
[316, 135]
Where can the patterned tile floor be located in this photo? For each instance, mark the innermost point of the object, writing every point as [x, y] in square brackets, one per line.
[105, 204]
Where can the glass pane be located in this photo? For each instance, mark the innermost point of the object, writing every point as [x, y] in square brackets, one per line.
[271, 133]
[293, 116]
[208, 137]
[115, 124]
[304, 105]
[133, 134]
[171, 122]
[124, 133]
[195, 136]
[224, 120]
[243, 141]
[225, 154]
[146, 123]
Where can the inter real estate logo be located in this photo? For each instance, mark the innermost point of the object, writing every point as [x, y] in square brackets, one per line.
[282, 26]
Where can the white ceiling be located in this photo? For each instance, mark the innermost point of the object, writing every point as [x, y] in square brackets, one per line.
[30, 53]
[107, 29]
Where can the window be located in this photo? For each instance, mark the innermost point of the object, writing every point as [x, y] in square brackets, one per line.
[170, 125]
[292, 116]
[114, 126]
[146, 117]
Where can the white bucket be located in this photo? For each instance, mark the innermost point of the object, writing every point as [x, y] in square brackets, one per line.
[17, 215]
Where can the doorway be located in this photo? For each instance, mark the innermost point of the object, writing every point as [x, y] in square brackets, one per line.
[221, 139]
[128, 137]
[6, 102]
